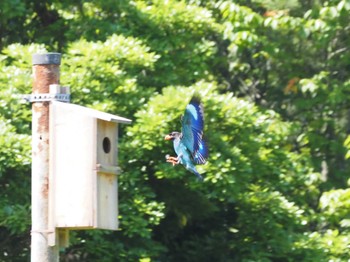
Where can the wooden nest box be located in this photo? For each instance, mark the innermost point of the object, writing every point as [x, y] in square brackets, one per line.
[83, 167]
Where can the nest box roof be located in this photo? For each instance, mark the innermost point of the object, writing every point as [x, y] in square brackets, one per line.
[92, 112]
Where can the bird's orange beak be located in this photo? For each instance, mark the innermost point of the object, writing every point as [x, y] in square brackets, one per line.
[168, 137]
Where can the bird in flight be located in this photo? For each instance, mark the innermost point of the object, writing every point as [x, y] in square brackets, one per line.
[189, 145]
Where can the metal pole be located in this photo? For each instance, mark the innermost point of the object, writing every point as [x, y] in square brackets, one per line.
[46, 71]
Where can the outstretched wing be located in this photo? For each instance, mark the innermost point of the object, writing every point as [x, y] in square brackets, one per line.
[192, 128]
[200, 157]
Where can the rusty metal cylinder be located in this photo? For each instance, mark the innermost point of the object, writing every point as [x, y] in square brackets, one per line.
[46, 71]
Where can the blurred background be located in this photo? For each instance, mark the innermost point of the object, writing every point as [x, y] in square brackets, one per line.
[274, 77]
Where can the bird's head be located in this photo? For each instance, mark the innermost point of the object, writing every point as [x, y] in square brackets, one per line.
[172, 136]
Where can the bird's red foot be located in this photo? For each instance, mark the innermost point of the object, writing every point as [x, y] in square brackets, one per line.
[173, 160]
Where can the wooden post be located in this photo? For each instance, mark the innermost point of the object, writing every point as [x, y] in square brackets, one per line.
[46, 71]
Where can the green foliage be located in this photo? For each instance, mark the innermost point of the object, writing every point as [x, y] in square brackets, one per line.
[335, 206]
[251, 178]
[273, 76]
[113, 69]
[14, 196]
[182, 35]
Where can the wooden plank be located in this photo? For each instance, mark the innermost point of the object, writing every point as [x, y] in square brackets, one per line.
[113, 170]
[107, 181]
[83, 169]
[107, 192]
[92, 113]
[72, 164]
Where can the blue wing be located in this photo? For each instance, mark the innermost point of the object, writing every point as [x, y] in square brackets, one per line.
[202, 154]
[192, 130]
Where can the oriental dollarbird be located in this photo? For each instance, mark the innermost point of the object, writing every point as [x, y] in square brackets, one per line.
[189, 145]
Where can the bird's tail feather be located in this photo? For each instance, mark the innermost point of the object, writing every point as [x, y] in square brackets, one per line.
[194, 171]
[199, 176]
